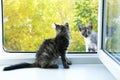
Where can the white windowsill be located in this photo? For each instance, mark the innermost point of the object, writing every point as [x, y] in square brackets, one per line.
[84, 67]
[14, 58]
[110, 64]
[75, 72]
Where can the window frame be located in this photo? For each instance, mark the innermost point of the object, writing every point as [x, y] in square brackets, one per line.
[27, 55]
[104, 56]
[7, 58]
[9, 51]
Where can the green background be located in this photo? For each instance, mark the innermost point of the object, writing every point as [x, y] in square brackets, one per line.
[28, 22]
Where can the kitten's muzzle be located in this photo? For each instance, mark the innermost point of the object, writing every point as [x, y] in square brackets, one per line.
[86, 36]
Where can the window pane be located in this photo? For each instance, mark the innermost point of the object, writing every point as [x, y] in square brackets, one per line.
[112, 28]
[27, 23]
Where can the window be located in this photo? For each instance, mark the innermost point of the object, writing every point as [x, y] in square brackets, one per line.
[109, 35]
[26, 23]
[112, 28]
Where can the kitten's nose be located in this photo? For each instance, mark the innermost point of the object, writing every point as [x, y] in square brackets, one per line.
[86, 36]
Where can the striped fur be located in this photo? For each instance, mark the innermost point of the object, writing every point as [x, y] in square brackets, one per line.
[50, 50]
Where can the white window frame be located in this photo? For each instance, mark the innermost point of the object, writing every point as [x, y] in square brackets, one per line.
[14, 58]
[112, 65]
[7, 58]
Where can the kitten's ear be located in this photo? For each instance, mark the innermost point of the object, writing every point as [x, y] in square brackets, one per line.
[56, 25]
[80, 27]
[66, 24]
[90, 25]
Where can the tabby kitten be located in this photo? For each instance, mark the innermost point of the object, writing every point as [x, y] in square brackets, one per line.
[50, 50]
[90, 37]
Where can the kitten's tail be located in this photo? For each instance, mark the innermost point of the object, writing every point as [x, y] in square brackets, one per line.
[19, 66]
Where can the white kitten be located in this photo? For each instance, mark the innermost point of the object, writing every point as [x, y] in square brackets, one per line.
[90, 37]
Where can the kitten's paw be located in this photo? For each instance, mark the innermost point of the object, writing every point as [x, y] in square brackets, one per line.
[68, 61]
[66, 66]
[53, 66]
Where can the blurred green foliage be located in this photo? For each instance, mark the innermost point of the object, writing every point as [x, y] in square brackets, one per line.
[28, 22]
[113, 21]
[87, 12]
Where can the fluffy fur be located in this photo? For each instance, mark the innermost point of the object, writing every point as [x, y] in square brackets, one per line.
[50, 50]
[90, 37]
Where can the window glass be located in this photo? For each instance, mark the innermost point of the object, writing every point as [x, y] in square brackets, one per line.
[112, 28]
[27, 23]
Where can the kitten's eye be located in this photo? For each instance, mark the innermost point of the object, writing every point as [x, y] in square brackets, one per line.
[89, 32]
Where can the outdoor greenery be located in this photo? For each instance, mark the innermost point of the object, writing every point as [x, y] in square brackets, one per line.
[26, 23]
[113, 20]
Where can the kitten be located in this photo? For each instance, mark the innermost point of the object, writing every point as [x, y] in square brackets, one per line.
[90, 37]
[110, 32]
[50, 50]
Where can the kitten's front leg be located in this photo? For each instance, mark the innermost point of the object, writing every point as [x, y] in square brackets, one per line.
[68, 61]
[87, 48]
[64, 62]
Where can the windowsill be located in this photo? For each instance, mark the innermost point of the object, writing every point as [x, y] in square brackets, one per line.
[111, 65]
[85, 67]
[76, 71]
[14, 58]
